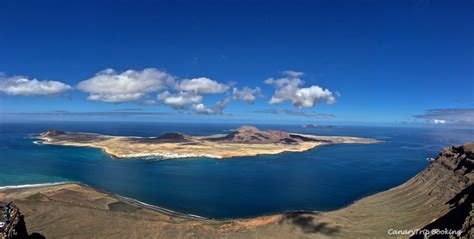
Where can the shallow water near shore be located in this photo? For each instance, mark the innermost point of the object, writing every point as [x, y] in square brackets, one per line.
[324, 178]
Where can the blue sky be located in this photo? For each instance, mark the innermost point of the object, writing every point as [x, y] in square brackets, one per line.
[363, 61]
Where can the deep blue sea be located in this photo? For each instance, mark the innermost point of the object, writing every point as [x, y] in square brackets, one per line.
[325, 178]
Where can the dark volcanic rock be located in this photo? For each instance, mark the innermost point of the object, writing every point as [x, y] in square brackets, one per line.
[250, 134]
[15, 226]
[305, 139]
[52, 132]
[172, 137]
[456, 163]
[247, 128]
[57, 135]
[164, 138]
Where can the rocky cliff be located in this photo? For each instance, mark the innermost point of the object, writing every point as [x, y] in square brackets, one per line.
[453, 168]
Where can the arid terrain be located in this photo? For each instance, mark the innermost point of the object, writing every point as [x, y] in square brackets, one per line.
[245, 141]
[441, 196]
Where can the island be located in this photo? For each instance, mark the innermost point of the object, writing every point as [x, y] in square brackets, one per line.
[244, 141]
[438, 198]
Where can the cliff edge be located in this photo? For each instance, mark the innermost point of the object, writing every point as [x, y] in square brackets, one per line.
[453, 168]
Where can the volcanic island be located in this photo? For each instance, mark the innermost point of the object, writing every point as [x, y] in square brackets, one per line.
[244, 141]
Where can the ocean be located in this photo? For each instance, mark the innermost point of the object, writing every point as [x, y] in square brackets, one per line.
[321, 179]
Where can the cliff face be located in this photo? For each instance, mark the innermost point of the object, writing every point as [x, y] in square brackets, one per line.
[454, 167]
[450, 173]
[440, 197]
[15, 227]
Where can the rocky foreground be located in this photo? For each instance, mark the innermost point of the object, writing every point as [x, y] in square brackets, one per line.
[439, 197]
[245, 141]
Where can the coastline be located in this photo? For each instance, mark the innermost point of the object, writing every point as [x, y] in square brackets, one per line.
[167, 211]
[139, 203]
[245, 142]
[415, 204]
[34, 185]
[112, 194]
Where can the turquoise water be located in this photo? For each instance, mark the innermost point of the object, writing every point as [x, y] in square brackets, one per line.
[325, 178]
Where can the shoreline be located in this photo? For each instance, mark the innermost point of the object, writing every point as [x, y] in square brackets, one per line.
[245, 142]
[124, 199]
[164, 210]
[35, 185]
[160, 209]
[152, 207]
[422, 202]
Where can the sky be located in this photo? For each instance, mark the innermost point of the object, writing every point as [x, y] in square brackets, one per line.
[318, 62]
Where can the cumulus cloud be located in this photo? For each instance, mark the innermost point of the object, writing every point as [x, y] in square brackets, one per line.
[288, 88]
[190, 94]
[113, 87]
[216, 109]
[202, 85]
[438, 121]
[246, 94]
[20, 85]
[201, 109]
[63, 114]
[463, 116]
[180, 100]
[296, 113]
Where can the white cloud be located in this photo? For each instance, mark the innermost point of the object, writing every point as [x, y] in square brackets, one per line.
[192, 101]
[190, 95]
[460, 116]
[20, 85]
[216, 109]
[246, 94]
[293, 74]
[438, 121]
[201, 109]
[130, 85]
[180, 100]
[202, 85]
[288, 89]
[296, 113]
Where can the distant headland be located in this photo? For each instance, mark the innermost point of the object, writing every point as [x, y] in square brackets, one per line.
[244, 141]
